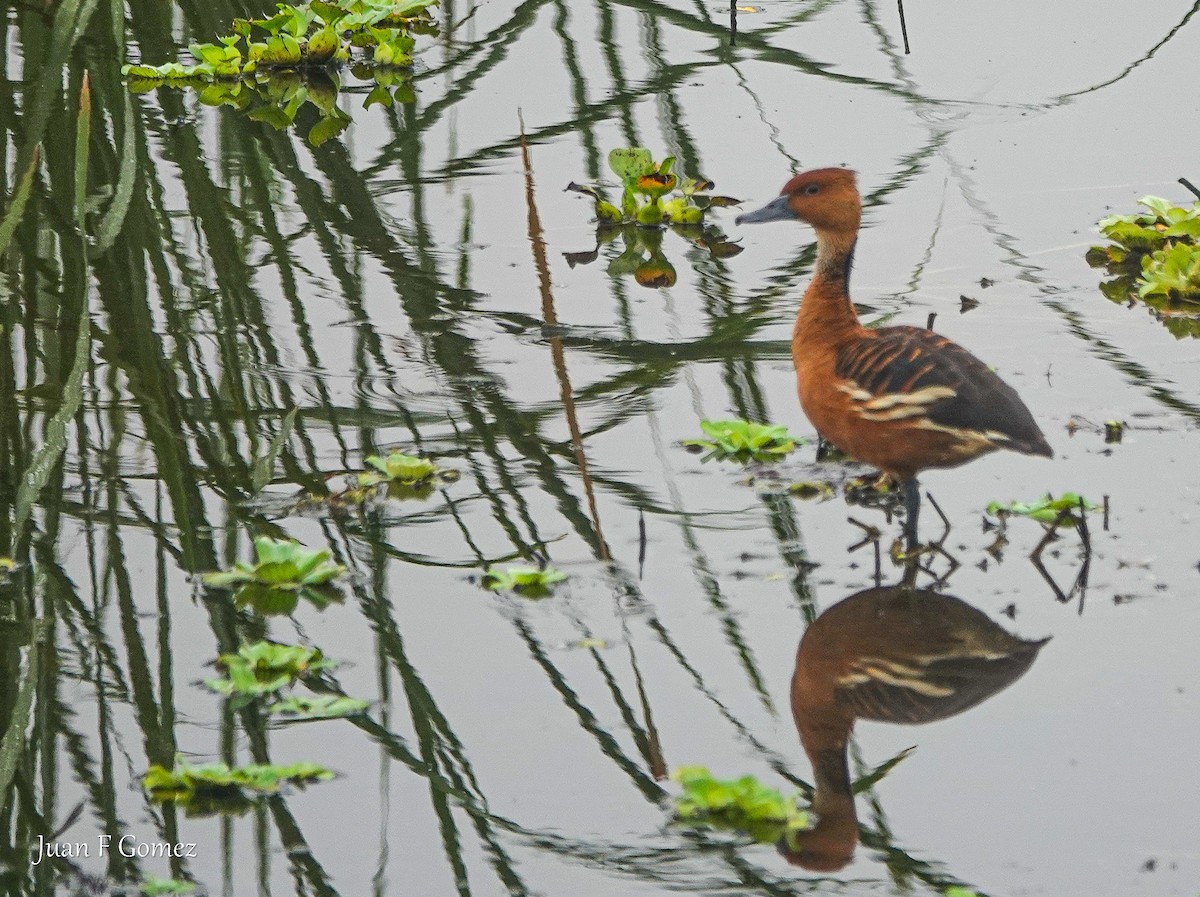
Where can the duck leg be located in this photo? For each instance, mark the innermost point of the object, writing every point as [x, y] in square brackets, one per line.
[912, 509]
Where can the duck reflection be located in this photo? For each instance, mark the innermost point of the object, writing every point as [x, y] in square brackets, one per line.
[895, 654]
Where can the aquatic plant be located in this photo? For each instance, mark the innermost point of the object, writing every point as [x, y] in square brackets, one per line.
[653, 195]
[1049, 510]
[744, 805]
[740, 440]
[262, 668]
[159, 887]
[1154, 258]
[218, 788]
[282, 564]
[644, 186]
[643, 255]
[296, 708]
[530, 582]
[397, 467]
[271, 67]
[284, 572]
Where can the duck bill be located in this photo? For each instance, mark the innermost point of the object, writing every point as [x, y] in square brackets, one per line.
[776, 210]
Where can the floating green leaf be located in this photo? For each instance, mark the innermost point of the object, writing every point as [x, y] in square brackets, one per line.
[1173, 272]
[740, 440]
[315, 38]
[218, 788]
[265, 667]
[1048, 510]
[160, 887]
[743, 804]
[406, 476]
[530, 582]
[301, 709]
[284, 572]
[1155, 258]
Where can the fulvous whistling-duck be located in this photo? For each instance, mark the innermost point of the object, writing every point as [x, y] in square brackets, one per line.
[894, 654]
[901, 398]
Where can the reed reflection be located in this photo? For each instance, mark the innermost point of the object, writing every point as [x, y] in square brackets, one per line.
[894, 654]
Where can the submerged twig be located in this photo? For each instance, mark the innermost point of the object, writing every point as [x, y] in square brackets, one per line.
[1190, 186]
[903, 25]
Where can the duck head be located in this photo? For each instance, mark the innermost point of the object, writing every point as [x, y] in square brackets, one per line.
[826, 198]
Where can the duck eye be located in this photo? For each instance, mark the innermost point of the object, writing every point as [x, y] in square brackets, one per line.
[811, 190]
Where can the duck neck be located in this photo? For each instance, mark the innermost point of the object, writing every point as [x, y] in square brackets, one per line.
[827, 311]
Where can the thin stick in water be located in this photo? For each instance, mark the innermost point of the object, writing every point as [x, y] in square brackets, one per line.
[903, 26]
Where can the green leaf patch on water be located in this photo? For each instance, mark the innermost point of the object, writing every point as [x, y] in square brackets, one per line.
[216, 788]
[740, 440]
[1048, 510]
[744, 805]
[1154, 258]
[284, 572]
[529, 582]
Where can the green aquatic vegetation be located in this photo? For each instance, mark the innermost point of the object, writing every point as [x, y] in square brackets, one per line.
[1049, 510]
[810, 489]
[284, 572]
[282, 564]
[653, 196]
[317, 34]
[1166, 223]
[645, 186]
[263, 668]
[740, 440]
[1154, 257]
[217, 788]
[160, 887]
[529, 582]
[298, 708]
[397, 467]
[271, 68]
[1173, 272]
[643, 256]
[404, 476]
[744, 805]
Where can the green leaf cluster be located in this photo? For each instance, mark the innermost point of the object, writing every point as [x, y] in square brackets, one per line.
[263, 668]
[744, 805]
[284, 572]
[1047, 510]
[529, 582]
[218, 788]
[740, 440]
[643, 255]
[1153, 256]
[320, 33]
[283, 564]
[296, 708]
[1172, 272]
[652, 193]
[270, 68]
[151, 886]
[405, 476]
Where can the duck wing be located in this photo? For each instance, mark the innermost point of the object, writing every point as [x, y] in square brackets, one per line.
[909, 372]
